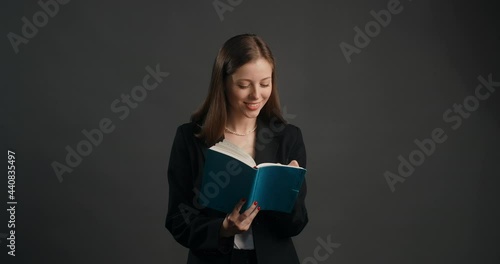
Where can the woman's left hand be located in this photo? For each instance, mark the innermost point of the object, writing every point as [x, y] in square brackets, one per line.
[236, 223]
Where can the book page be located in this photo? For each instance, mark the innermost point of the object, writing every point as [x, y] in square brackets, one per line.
[230, 149]
[266, 164]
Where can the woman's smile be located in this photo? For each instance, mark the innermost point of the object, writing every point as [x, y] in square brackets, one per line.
[253, 106]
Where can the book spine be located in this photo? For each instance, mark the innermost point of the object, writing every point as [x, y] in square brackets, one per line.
[254, 188]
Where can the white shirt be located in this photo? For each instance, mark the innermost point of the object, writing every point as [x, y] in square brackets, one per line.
[244, 240]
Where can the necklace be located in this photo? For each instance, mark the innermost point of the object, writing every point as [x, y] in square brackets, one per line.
[238, 134]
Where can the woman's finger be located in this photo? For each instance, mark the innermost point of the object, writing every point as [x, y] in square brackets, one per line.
[248, 221]
[237, 207]
[247, 217]
[253, 214]
[249, 211]
[294, 163]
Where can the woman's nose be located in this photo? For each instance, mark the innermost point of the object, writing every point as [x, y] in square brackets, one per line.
[254, 92]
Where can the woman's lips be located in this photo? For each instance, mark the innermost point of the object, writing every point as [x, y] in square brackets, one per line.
[253, 106]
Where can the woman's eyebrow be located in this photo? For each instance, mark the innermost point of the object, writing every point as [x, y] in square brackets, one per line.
[251, 80]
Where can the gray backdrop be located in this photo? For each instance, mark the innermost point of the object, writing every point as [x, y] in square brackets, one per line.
[357, 118]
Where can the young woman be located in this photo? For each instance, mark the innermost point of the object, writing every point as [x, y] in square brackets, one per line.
[242, 107]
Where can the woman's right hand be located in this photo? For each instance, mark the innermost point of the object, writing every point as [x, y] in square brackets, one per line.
[236, 223]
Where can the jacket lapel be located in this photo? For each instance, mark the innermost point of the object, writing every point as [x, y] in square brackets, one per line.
[266, 143]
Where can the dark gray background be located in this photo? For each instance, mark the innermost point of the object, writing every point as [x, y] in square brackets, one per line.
[356, 119]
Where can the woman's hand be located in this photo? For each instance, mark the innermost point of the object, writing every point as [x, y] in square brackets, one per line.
[294, 163]
[236, 223]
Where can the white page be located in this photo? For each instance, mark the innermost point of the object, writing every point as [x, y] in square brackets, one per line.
[234, 151]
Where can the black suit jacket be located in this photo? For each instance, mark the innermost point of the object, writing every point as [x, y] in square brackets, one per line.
[197, 228]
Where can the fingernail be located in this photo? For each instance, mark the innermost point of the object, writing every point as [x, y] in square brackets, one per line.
[258, 208]
[255, 203]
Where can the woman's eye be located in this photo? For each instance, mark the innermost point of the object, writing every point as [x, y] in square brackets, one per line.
[264, 85]
[243, 86]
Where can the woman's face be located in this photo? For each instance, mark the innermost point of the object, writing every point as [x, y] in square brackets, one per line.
[249, 88]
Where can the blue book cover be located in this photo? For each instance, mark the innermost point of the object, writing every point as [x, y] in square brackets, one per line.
[230, 174]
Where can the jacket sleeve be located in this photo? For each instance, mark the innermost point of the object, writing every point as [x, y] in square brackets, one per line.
[288, 225]
[186, 220]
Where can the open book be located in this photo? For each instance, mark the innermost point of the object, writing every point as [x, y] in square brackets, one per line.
[230, 174]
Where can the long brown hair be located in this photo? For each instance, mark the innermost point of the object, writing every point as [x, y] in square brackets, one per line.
[235, 52]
